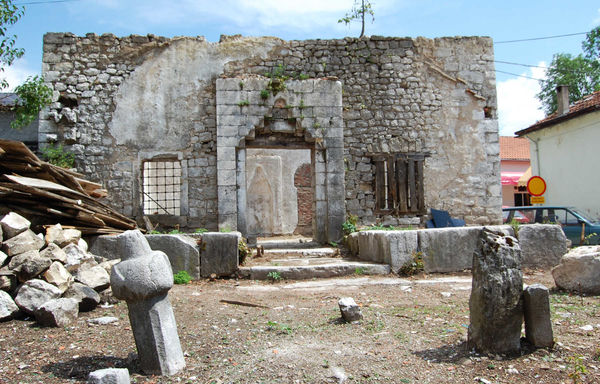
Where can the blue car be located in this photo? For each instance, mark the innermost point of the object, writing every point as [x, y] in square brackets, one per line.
[577, 227]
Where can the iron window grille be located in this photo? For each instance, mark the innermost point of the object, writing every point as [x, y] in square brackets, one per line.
[161, 187]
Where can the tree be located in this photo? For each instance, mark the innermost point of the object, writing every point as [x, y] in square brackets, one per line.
[358, 13]
[581, 73]
[33, 93]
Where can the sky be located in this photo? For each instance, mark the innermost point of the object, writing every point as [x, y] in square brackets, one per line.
[504, 21]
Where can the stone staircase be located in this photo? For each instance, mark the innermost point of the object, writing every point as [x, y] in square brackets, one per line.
[300, 259]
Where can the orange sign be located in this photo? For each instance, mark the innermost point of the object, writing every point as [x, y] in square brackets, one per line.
[536, 186]
[537, 200]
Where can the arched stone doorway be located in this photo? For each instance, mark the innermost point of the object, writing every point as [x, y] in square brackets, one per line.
[305, 114]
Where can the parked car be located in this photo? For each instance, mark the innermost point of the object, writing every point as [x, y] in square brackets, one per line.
[577, 227]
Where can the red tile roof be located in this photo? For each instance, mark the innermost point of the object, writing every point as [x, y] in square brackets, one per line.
[589, 103]
[514, 148]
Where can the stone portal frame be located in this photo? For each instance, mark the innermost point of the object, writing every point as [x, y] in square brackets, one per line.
[306, 113]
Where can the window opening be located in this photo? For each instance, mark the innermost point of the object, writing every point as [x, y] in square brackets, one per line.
[399, 183]
[161, 187]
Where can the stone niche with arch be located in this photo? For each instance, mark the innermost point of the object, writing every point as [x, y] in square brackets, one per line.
[264, 135]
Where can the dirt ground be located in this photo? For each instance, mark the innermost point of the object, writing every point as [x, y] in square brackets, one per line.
[414, 331]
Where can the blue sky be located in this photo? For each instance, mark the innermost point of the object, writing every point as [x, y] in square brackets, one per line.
[292, 19]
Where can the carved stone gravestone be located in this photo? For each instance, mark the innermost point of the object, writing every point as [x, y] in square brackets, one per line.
[143, 280]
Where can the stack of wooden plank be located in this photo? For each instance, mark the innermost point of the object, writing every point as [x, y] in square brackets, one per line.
[48, 194]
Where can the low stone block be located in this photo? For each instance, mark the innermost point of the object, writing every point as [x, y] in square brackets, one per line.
[496, 302]
[8, 308]
[538, 327]
[370, 246]
[219, 253]
[33, 293]
[12, 224]
[349, 309]
[542, 245]
[579, 271]
[181, 250]
[399, 248]
[23, 242]
[109, 376]
[448, 249]
[105, 246]
[57, 312]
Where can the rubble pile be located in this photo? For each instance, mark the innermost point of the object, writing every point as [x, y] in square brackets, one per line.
[45, 192]
[51, 277]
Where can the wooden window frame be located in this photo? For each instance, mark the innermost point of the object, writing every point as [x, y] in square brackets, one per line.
[399, 188]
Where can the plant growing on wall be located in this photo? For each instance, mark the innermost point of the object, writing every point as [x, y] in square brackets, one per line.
[33, 93]
[358, 12]
[58, 156]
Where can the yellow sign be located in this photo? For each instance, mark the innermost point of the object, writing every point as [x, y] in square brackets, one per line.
[537, 200]
[536, 186]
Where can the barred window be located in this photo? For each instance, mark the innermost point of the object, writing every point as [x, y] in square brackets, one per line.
[161, 187]
[399, 183]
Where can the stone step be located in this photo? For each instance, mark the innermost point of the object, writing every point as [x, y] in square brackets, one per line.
[293, 243]
[302, 269]
[307, 253]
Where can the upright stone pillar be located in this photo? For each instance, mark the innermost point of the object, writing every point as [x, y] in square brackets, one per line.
[143, 279]
[496, 304]
[538, 327]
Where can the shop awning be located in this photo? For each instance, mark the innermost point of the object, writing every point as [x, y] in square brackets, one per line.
[510, 178]
[524, 178]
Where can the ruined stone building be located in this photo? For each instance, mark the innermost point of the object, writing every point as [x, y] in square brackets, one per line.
[269, 136]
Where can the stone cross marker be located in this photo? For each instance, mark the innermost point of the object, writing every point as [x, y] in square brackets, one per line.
[143, 280]
[496, 303]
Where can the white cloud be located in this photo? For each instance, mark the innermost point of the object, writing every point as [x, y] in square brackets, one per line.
[16, 74]
[518, 106]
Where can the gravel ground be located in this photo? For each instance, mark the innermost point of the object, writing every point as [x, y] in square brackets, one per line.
[414, 331]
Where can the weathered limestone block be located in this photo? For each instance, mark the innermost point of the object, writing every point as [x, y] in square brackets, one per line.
[54, 253]
[23, 242]
[448, 249]
[109, 376]
[542, 245]
[12, 224]
[57, 312]
[352, 243]
[94, 277]
[181, 250]
[8, 280]
[370, 246]
[58, 275]
[496, 306]
[76, 258]
[579, 271]
[143, 279]
[28, 265]
[86, 297]
[3, 258]
[8, 308]
[62, 237]
[538, 327]
[219, 253]
[33, 293]
[349, 309]
[399, 248]
[105, 246]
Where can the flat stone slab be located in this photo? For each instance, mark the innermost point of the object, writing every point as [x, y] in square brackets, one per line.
[303, 272]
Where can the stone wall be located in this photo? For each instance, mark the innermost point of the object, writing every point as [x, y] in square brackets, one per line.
[120, 101]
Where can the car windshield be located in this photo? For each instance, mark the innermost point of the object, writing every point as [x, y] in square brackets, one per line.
[583, 216]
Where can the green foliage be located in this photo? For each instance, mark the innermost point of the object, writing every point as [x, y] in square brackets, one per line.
[581, 73]
[413, 266]
[302, 76]
[333, 244]
[282, 328]
[515, 226]
[58, 156]
[274, 276]
[9, 15]
[380, 227]
[182, 277]
[201, 230]
[577, 369]
[359, 271]
[277, 80]
[349, 225]
[33, 95]
[243, 103]
[358, 12]
[174, 232]
[243, 251]
[264, 94]
[225, 229]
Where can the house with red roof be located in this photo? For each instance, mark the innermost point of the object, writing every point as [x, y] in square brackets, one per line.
[565, 152]
[514, 170]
